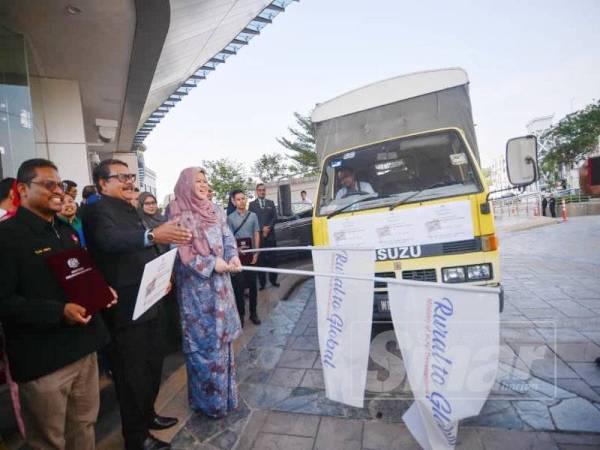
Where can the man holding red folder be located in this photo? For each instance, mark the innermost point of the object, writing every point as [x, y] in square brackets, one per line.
[51, 341]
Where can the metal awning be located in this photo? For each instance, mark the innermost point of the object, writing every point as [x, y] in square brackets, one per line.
[167, 89]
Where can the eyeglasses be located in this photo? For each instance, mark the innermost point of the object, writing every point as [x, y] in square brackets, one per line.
[123, 177]
[51, 185]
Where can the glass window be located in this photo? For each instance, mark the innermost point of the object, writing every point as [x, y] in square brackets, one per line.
[412, 169]
[16, 122]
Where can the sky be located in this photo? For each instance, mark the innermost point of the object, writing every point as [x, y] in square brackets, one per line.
[524, 60]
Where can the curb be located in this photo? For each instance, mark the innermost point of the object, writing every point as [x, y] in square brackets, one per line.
[528, 225]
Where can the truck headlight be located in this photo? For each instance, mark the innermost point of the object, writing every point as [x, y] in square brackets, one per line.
[462, 274]
[479, 272]
[454, 275]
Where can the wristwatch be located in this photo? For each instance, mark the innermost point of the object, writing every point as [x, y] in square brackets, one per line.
[150, 235]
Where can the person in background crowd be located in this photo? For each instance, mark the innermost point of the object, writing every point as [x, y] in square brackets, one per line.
[150, 215]
[8, 209]
[244, 224]
[544, 205]
[68, 214]
[210, 194]
[51, 341]
[210, 321]
[70, 188]
[552, 205]
[230, 205]
[121, 246]
[267, 216]
[89, 195]
[170, 323]
[304, 200]
[7, 195]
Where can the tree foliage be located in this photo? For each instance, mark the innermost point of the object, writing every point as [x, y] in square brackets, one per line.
[302, 146]
[550, 168]
[270, 166]
[224, 176]
[575, 136]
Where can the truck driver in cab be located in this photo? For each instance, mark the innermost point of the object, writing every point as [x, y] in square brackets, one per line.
[351, 185]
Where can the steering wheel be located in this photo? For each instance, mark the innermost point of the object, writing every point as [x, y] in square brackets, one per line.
[348, 194]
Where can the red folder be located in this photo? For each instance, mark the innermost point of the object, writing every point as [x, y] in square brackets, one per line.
[80, 279]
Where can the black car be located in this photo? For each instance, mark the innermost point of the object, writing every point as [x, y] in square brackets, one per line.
[294, 231]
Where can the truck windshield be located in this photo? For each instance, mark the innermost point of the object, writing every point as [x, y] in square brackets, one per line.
[416, 168]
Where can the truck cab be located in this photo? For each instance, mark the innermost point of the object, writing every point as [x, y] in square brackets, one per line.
[400, 173]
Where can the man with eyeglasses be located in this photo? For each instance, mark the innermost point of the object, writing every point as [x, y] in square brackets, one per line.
[121, 246]
[51, 341]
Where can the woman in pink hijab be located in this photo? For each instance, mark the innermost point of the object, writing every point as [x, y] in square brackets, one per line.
[209, 317]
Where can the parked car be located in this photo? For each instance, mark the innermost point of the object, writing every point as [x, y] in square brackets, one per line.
[294, 231]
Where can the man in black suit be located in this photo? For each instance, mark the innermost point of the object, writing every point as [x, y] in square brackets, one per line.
[267, 216]
[121, 246]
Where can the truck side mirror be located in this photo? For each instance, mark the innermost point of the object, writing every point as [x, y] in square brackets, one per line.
[521, 160]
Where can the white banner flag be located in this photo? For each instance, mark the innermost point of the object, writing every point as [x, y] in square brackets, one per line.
[344, 315]
[449, 344]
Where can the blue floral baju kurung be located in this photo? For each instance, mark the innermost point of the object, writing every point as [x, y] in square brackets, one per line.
[210, 323]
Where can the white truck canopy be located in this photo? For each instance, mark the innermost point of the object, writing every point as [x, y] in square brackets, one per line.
[395, 107]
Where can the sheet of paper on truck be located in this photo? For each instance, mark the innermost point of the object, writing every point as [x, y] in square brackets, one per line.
[432, 224]
[155, 282]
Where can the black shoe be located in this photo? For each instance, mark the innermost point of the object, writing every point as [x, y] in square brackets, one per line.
[162, 423]
[598, 361]
[275, 284]
[255, 320]
[151, 443]
[261, 288]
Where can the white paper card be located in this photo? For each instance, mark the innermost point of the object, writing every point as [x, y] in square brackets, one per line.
[155, 282]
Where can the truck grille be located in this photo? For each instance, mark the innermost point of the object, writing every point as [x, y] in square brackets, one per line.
[419, 275]
[470, 245]
[379, 284]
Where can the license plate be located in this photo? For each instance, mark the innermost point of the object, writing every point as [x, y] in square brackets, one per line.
[384, 305]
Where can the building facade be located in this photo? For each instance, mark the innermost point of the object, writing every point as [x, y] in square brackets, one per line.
[297, 185]
[147, 180]
[498, 177]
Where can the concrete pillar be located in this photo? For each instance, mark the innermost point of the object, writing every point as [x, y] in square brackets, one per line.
[58, 125]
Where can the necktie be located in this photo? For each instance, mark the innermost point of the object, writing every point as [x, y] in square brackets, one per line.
[262, 203]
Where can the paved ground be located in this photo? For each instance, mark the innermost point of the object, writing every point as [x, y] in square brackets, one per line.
[547, 394]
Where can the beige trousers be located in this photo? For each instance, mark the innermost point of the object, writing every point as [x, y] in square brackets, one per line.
[60, 409]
